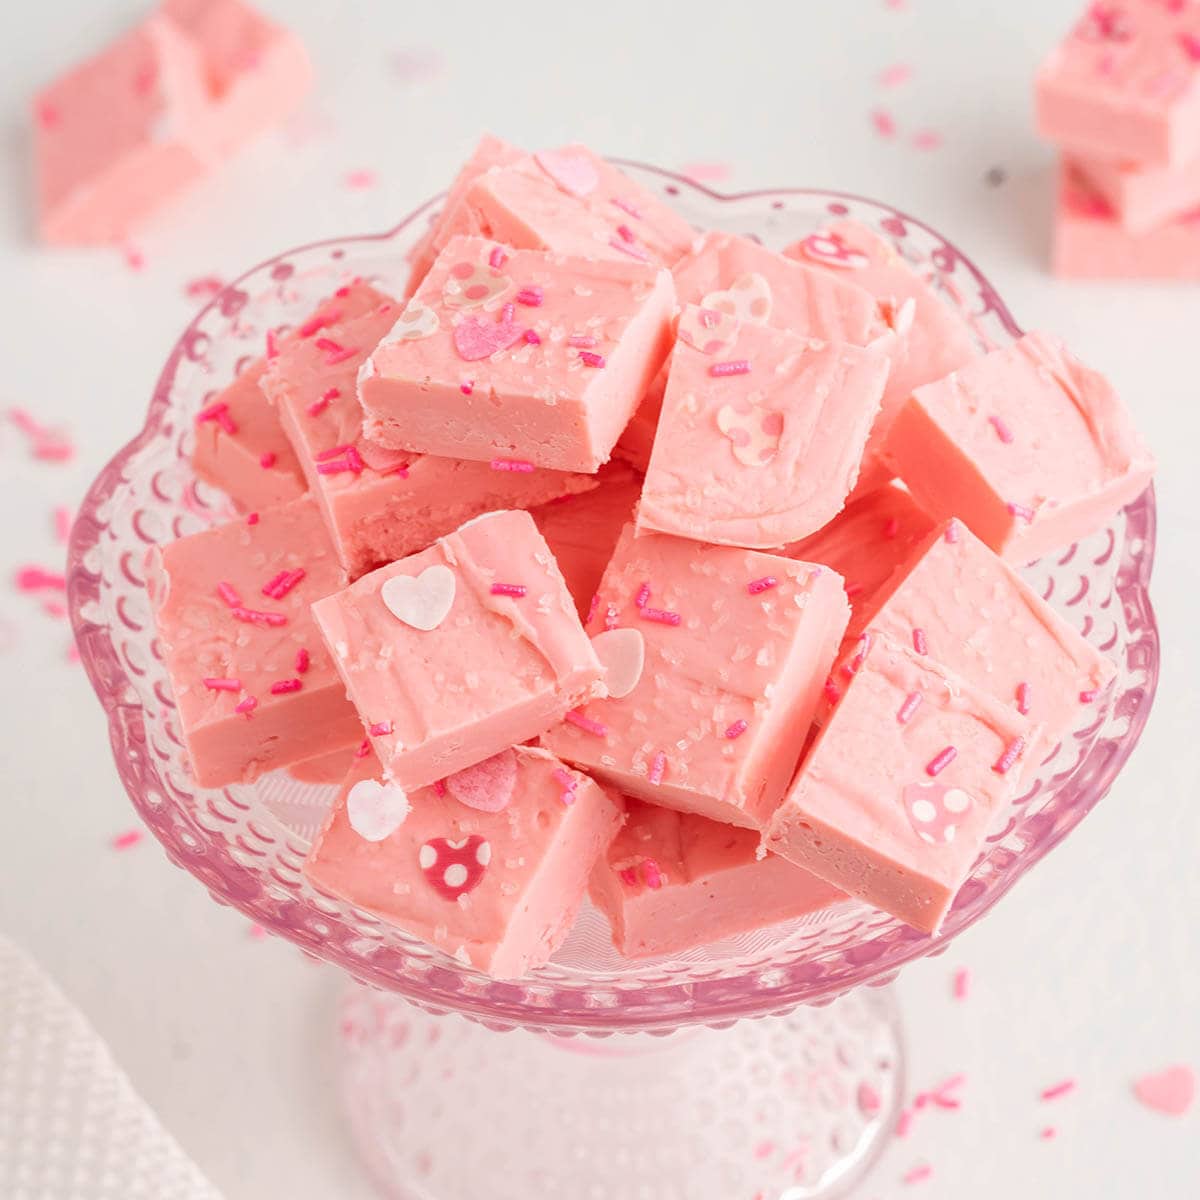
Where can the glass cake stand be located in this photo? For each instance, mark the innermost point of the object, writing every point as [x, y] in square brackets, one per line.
[696, 1103]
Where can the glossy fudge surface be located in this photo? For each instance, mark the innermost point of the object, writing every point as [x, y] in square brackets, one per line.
[520, 356]
[759, 442]
[496, 887]
[722, 654]
[454, 653]
[897, 792]
[1030, 447]
[232, 608]
[672, 881]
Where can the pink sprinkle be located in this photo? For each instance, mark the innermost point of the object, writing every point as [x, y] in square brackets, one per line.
[1088, 696]
[643, 596]
[531, 336]
[592, 607]
[626, 234]
[267, 461]
[135, 260]
[439, 787]
[566, 797]
[1020, 510]
[652, 874]
[590, 359]
[272, 344]
[626, 207]
[37, 579]
[254, 617]
[737, 729]
[917, 1174]
[318, 321]
[282, 686]
[52, 608]
[126, 840]
[739, 366]
[319, 406]
[497, 258]
[1023, 698]
[257, 932]
[202, 288]
[223, 685]
[506, 314]
[756, 586]
[962, 983]
[1012, 752]
[581, 339]
[706, 172]
[904, 1123]
[629, 876]
[920, 645]
[466, 388]
[334, 351]
[351, 462]
[212, 412]
[661, 616]
[531, 297]
[895, 75]
[252, 518]
[1002, 430]
[565, 779]
[283, 583]
[301, 661]
[380, 728]
[586, 723]
[1048, 1134]
[860, 655]
[927, 139]
[884, 123]
[625, 248]
[509, 589]
[951, 534]
[511, 464]
[658, 767]
[364, 748]
[831, 690]
[1055, 1090]
[941, 761]
[247, 706]
[891, 528]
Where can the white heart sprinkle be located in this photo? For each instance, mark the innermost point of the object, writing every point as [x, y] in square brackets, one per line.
[622, 654]
[376, 810]
[421, 601]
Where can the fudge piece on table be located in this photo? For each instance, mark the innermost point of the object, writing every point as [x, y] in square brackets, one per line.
[571, 201]
[254, 686]
[582, 530]
[898, 791]
[672, 881]
[715, 662]
[240, 445]
[761, 435]
[1089, 242]
[867, 541]
[1124, 84]
[490, 866]
[379, 504]
[1031, 448]
[1143, 198]
[518, 356]
[452, 654]
[967, 609]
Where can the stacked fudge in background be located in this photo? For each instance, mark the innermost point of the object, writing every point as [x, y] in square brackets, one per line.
[1120, 97]
[623, 557]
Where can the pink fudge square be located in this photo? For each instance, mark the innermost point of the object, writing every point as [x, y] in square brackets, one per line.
[970, 611]
[454, 217]
[898, 791]
[445, 657]
[570, 201]
[1143, 198]
[1031, 448]
[760, 440]
[673, 881]
[538, 358]
[582, 530]
[867, 541]
[1089, 242]
[259, 652]
[381, 504]
[241, 446]
[497, 890]
[742, 280]
[1125, 84]
[716, 659]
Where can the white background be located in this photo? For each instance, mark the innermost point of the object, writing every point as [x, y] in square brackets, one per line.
[1089, 969]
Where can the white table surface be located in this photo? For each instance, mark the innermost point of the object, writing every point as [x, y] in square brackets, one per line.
[1089, 969]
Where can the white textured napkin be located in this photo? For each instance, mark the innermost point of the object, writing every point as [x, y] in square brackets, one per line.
[71, 1125]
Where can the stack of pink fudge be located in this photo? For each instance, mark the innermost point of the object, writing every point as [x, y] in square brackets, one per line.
[1120, 97]
[624, 559]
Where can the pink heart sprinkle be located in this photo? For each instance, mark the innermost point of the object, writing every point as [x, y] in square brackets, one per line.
[475, 339]
[487, 786]
[1170, 1091]
[572, 172]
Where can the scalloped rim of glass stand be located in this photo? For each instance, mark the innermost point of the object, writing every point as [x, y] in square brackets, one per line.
[530, 1003]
